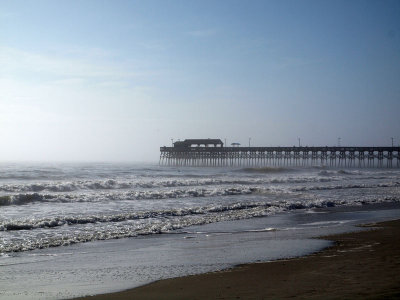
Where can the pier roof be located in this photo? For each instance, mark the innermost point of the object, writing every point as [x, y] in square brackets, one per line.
[199, 142]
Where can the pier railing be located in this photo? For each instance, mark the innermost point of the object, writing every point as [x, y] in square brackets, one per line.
[281, 156]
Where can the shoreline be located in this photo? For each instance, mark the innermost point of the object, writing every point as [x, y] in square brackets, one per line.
[359, 265]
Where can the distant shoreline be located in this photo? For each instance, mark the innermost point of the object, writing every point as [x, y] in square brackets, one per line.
[360, 265]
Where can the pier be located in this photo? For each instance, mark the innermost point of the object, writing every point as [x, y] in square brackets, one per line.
[213, 153]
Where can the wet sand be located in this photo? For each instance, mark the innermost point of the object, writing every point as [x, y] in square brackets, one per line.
[360, 265]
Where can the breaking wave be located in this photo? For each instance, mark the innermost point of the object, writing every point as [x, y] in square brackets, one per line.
[265, 170]
[22, 199]
[63, 187]
[153, 194]
[345, 186]
[162, 221]
[79, 220]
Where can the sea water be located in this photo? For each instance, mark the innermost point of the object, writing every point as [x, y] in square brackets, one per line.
[75, 229]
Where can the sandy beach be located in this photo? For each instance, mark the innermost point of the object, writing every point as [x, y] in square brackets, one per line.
[360, 265]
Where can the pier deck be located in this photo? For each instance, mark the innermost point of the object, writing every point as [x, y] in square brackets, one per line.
[280, 156]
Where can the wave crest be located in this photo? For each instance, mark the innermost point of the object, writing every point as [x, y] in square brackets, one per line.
[265, 170]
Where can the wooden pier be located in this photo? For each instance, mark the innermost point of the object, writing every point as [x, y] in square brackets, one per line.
[212, 153]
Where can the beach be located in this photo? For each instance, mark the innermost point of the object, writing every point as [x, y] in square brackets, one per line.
[360, 265]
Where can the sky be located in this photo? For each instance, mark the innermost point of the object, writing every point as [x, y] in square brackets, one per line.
[115, 80]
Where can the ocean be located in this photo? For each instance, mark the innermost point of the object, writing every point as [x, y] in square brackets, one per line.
[72, 229]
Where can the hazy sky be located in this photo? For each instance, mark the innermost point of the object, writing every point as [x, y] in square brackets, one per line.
[115, 80]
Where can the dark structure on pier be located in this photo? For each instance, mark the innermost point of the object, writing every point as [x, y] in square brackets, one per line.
[211, 152]
[198, 143]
